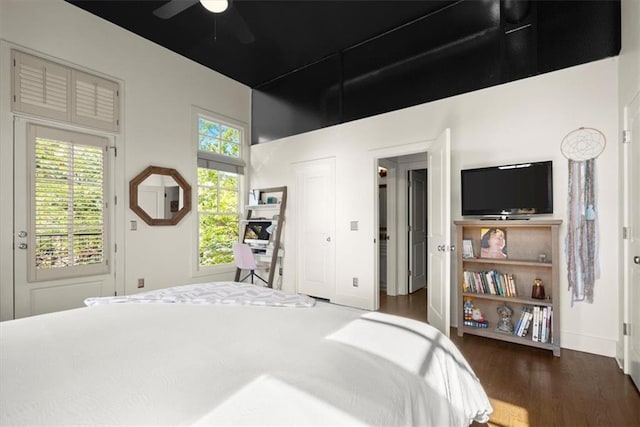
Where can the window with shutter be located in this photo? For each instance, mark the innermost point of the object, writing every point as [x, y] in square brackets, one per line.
[46, 89]
[68, 203]
[95, 101]
[41, 87]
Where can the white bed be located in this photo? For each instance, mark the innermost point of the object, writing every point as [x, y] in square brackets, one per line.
[230, 361]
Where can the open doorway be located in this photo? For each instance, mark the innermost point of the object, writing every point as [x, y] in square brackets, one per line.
[402, 221]
[434, 156]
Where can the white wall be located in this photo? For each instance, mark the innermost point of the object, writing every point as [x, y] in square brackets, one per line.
[521, 121]
[159, 89]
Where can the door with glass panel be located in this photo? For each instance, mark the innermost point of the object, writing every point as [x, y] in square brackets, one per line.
[62, 220]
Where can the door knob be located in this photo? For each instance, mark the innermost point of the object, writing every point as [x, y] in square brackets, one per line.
[636, 259]
[22, 234]
[22, 246]
[329, 239]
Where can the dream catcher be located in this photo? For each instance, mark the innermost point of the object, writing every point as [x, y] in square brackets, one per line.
[582, 147]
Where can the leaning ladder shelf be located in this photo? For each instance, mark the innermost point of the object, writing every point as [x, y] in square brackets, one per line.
[276, 237]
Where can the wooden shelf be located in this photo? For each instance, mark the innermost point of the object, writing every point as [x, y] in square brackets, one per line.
[489, 333]
[506, 262]
[515, 300]
[525, 241]
[264, 206]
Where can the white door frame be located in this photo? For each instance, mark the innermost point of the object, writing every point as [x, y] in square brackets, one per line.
[31, 296]
[401, 240]
[392, 227]
[7, 185]
[629, 307]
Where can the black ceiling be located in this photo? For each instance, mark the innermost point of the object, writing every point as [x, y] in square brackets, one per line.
[254, 42]
[317, 63]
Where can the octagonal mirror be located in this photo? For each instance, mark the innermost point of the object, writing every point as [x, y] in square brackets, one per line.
[160, 196]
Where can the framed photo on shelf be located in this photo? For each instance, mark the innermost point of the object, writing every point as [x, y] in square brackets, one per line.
[467, 249]
[493, 243]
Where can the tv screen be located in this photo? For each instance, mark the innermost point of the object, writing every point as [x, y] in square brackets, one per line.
[508, 190]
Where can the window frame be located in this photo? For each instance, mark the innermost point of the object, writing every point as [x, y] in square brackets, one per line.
[55, 91]
[240, 164]
[76, 137]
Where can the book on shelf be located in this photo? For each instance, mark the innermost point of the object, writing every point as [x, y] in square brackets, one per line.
[535, 323]
[489, 282]
[544, 325]
[538, 320]
[477, 324]
[524, 322]
[527, 324]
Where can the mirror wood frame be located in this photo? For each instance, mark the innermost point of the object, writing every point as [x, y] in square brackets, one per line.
[133, 195]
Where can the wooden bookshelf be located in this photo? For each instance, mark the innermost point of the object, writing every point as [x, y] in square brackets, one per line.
[526, 240]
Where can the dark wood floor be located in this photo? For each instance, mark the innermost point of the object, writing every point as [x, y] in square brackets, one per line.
[530, 387]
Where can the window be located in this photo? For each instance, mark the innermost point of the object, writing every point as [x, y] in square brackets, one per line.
[68, 179]
[220, 170]
[53, 91]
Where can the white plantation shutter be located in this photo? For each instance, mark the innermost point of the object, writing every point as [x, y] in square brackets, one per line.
[53, 91]
[41, 87]
[95, 101]
[68, 204]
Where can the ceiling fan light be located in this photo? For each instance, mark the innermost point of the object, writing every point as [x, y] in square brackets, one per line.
[215, 6]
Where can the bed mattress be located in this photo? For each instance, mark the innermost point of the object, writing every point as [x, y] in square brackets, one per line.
[206, 364]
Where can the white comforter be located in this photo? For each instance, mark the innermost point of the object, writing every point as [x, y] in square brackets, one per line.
[181, 364]
[211, 293]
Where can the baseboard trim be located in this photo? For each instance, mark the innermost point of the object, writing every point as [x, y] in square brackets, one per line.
[588, 344]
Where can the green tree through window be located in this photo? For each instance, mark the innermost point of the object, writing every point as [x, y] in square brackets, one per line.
[218, 191]
[68, 203]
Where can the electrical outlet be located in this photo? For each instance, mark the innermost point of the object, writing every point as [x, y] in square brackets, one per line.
[140, 283]
[355, 282]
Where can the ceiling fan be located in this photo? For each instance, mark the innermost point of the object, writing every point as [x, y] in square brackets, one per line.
[237, 23]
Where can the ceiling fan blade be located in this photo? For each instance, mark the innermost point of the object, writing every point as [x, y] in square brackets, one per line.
[240, 27]
[172, 8]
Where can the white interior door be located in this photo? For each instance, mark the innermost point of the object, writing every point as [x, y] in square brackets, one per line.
[392, 231]
[315, 230]
[151, 200]
[418, 230]
[32, 293]
[382, 237]
[633, 253]
[439, 232]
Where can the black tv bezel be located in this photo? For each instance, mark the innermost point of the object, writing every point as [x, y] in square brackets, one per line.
[513, 212]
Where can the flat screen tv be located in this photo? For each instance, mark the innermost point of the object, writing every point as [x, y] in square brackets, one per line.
[506, 191]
